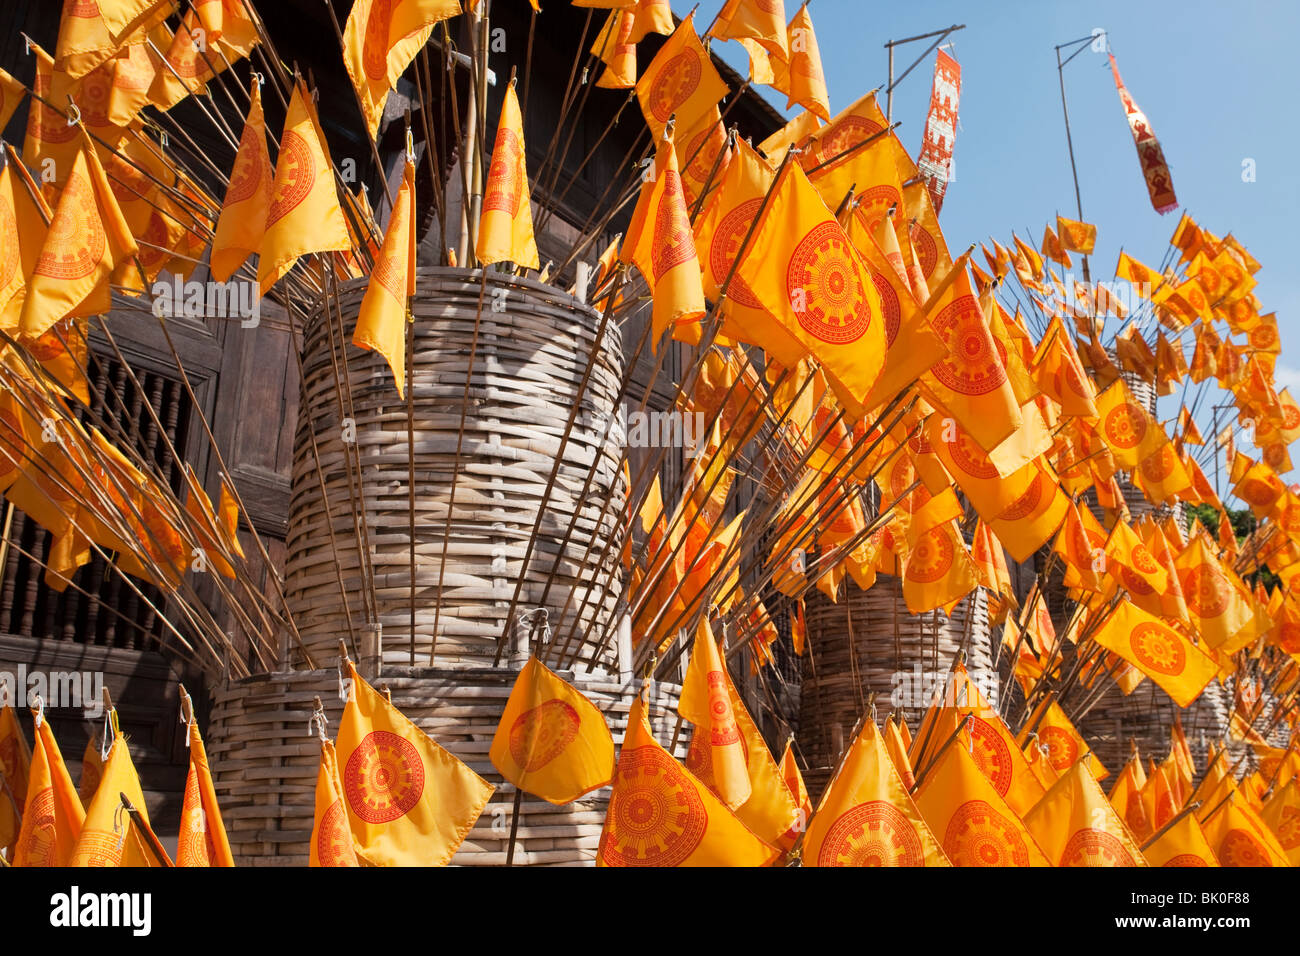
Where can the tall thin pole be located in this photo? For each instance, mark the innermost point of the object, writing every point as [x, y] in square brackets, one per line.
[1069, 139]
[889, 90]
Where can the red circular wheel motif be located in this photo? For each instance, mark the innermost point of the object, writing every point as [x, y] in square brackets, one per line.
[1125, 425]
[891, 309]
[389, 270]
[194, 842]
[1143, 560]
[991, 754]
[977, 835]
[1158, 466]
[1206, 593]
[1134, 583]
[1290, 417]
[1062, 749]
[1242, 848]
[1027, 503]
[932, 557]
[970, 457]
[822, 276]
[1158, 649]
[722, 729]
[674, 242]
[724, 246]
[926, 249]
[1288, 637]
[505, 177]
[874, 833]
[1091, 847]
[674, 84]
[657, 817]
[1258, 493]
[1275, 456]
[1068, 379]
[384, 777]
[540, 735]
[44, 125]
[845, 134]
[298, 167]
[37, 845]
[1263, 337]
[875, 201]
[972, 366]
[97, 848]
[76, 240]
[703, 150]
[1185, 859]
[334, 838]
[374, 45]
[96, 89]
[1288, 828]
[699, 759]
[250, 162]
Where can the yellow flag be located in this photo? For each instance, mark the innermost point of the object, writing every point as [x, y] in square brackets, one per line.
[680, 81]
[53, 816]
[409, 801]
[804, 80]
[304, 216]
[551, 740]
[1281, 814]
[202, 840]
[866, 817]
[759, 20]
[92, 769]
[1176, 664]
[1063, 742]
[938, 569]
[1076, 236]
[1032, 519]
[1183, 844]
[660, 815]
[1126, 427]
[616, 50]
[380, 40]
[1215, 601]
[1126, 797]
[88, 245]
[382, 321]
[1076, 825]
[248, 197]
[108, 836]
[505, 229]
[975, 826]
[11, 94]
[794, 783]
[1240, 838]
[660, 241]
[803, 268]
[993, 746]
[706, 703]
[90, 33]
[331, 838]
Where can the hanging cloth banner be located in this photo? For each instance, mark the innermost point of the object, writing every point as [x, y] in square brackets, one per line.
[935, 162]
[1159, 183]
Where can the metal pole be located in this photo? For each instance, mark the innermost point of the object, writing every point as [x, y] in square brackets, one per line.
[889, 90]
[1069, 142]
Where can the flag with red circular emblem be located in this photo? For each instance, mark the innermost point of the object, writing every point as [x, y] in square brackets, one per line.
[804, 270]
[660, 815]
[409, 802]
[53, 814]
[1176, 664]
[304, 215]
[551, 741]
[706, 703]
[1128, 429]
[866, 817]
[1076, 825]
[681, 81]
[248, 197]
[331, 837]
[505, 229]
[1240, 838]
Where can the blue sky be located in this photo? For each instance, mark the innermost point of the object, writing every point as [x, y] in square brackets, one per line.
[1210, 77]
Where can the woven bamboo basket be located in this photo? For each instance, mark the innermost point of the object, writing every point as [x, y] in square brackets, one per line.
[265, 760]
[530, 345]
[869, 643]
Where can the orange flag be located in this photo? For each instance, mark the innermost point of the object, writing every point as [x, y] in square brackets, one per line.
[660, 242]
[975, 825]
[993, 747]
[1281, 814]
[1177, 665]
[1062, 740]
[804, 270]
[661, 815]
[15, 755]
[88, 246]
[248, 197]
[804, 80]
[1183, 844]
[616, 50]
[551, 740]
[1240, 838]
[90, 33]
[11, 95]
[1076, 825]
[92, 769]
[1126, 797]
[1076, 236]
[304, 215]
[1215, 600]
[202, 840]
[380, 40]
[706, 703]
[794, 783]
[53, 816]
[331, 839]
[102, 841]
[382, 321]
[938, 569]
[1126, 427]
[680, 81]
[409, 801]
[505, 229]
[866, 817]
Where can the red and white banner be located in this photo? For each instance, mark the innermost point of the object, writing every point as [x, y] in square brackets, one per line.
[1154, 168]
[935, 161]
